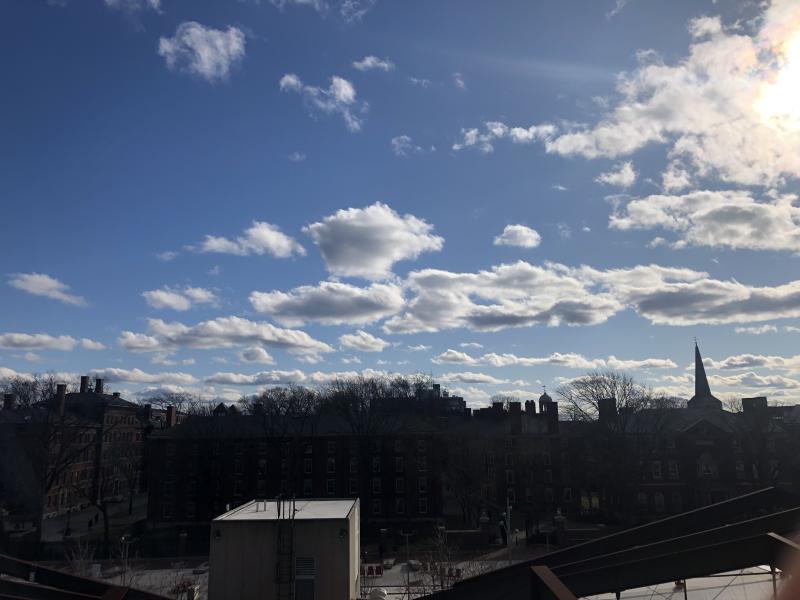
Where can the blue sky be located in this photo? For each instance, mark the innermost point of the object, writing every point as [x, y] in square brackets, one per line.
[216, 196]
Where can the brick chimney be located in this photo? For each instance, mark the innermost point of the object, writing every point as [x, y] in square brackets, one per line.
[172, 416]
[9, 401]
[551, 416]
[84, 384]
[60, 399]
[148, 412]
[515, 414]
[115, 394]
[98, 386]
[607, 410]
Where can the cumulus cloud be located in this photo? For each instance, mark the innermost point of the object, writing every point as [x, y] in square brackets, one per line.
[260, 238]
[330, 303]
[339, 97]
[471, 377]
[568, 360]
[286, 377]
[179, 299]
[297, 157]
[134, 6]
[203, 52]
[40, 284]
[45, 341]
[518, 235]
[113, 375]
[222, 332]
[483, 139]
[759, 330]
[363, 341]
[451, 356]
[419, 348]
[717, 219]
[521, 294]
[622, 175]
[403, 145]
[372, 63]
[366, 242]
[470, 345]
[353, 11]
[256, 354]
[458, 81]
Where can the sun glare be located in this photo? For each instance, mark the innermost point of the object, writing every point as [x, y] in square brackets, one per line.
[779, 101]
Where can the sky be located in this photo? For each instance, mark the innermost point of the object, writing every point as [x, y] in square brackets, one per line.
[216, 197]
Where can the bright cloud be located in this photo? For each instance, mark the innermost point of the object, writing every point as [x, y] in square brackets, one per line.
[403, 145]
[203, 52]
[366, 242]
[340, 97]
[260, 238]
[363, 341]
[179, 299]
[372, 63]
[484, 139]
[40, 284]
[113, 375]
[256, 354]
[45, 341]
[622, 175]
[330, 303]
[518, 235]
[759, 330]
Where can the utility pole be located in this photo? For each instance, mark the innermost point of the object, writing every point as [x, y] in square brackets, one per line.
[509, 533]
[408, 564]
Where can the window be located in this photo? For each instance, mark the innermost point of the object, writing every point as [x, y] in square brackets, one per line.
[376, 507]
[376, 485]
[191, 510]
[309, 449]
[422, 485]
[422, 446]
[641, 499]
[331, 464]
[307, 487]
[677, 502]
[330, 487]
[262, 448]
[740, 469]
[567, 494]
[353, 464]
[239, 448]
[400, 506]
[398, 445]
[423, 506]
[400, 485]
[548, 476]
[656, 468]
[166, 510]
[399, 464]
[422, 463]
[512, 497]
[674, 473]
[658, 498]
[670, 443]
[737, 446]
[548, 495]
[376, 464]
[546, 458]
[509, 477]
[771, 444]
[237, 487]
[331, 447]
[262, 467]
[353, 486]
[307, 465]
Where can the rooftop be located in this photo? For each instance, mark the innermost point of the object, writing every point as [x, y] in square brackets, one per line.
[305, 510]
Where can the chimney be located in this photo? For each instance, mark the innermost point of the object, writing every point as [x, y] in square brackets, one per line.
[148, 412]
[84, 384]
[607, 410]
[115, 394]
[98, 386]
[515, 413]
[171, 416]
[754, 407]
[530, 407]
[60, 399]
[9, 401]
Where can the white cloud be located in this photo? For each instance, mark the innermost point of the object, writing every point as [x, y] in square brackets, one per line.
[297, 157]
[260, 238]
[179, 299]
[354, 10]
[403, 145]
[622, 175]
[167, 255]
[471, 377]
[371, 63]
[366, 242]
[458, 81]
[518, 235]
[451, 356]
[496, 130]
[725, 109]
[286, 377]
[340, 97]
[203, 52]
[419, 348]
[222, 332]
[330, 303]
[618, 6]
[45, 341]
[40, 284]
[256, 354]
[558, 187]
[470, 345]
[363, 341]
[318, 5]
[421, 82]
[113, 375]
[717, 219]
[760, 330]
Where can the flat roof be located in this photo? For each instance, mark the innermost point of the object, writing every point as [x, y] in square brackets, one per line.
[306, 509]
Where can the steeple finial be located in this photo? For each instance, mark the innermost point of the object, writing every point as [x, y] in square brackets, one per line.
[702, 391]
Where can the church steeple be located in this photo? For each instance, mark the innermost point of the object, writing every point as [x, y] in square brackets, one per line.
[702, 391]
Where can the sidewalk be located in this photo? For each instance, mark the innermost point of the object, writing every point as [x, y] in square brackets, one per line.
[53, 529]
